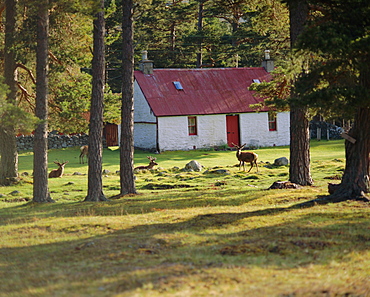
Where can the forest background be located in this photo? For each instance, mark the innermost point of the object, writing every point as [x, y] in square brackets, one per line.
[177, 34]
[323, 58]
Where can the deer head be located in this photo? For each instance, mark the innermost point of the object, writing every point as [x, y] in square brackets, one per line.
[58, 172]
[152, 163]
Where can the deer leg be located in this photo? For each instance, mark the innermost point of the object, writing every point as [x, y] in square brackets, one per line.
[255, 162]
[251, 167]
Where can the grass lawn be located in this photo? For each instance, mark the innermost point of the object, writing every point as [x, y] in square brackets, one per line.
[185, 233]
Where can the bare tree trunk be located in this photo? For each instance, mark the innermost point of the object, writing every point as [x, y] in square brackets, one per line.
[40, 147]
[299, 171]
[356, 177]
[200, 33]
[8, 145]
[127, 116]
[95, 184]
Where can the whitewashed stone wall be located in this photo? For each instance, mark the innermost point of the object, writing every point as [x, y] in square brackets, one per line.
[254, 129]
[145, 136]
[173, 132]
[145, 128]
[142, 111]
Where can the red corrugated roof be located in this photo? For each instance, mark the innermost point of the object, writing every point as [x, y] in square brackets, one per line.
[205, 91]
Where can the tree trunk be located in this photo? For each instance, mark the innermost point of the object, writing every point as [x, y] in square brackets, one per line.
[95, 184]
[299, 171]
[298, 14]
[127, 181]
[40, 147]
[355, 182]
[8, 144]
[356, 173]
[200, 33]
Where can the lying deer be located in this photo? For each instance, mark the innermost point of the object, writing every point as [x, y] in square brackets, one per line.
[84, 152]
[246, 157]
[152, 163]
[58, 172]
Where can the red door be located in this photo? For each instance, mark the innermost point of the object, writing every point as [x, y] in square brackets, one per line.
[111, 134]
[232, 129]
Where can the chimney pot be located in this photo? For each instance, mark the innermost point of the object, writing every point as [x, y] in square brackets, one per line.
[267, 54]
[145, 65]
[267, 63]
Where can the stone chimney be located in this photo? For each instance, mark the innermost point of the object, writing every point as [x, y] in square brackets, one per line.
[145, 65]
[267, 63]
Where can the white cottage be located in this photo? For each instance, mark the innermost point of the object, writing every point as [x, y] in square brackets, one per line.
[182, 109]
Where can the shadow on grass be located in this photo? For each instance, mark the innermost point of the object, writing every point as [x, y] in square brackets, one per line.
[130, 204]
[146, 254]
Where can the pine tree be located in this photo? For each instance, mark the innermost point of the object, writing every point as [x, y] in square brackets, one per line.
[127, 181]
[40, 152]
[8, 146]
[95, 183]
[299, 169]
[339, 82]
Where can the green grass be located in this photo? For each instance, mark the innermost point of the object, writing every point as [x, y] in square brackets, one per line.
[186, 233]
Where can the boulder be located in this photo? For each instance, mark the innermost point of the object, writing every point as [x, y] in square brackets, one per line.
[284, 185]
[193, 166]
[281, 161]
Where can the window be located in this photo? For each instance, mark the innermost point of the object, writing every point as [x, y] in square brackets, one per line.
[192, 125]
[178, 85]
[272, 121]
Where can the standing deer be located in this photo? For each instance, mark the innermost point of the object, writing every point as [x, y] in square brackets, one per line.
[246, 157]
[58, 172]
[84, 152]
[152, 163]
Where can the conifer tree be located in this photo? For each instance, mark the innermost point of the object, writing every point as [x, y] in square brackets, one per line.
[127, 181]
[95, 183]
[299, 169]
[40, 151]
[338, 37]
[8, 146]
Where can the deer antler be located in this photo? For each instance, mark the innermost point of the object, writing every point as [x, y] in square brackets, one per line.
[238, 145]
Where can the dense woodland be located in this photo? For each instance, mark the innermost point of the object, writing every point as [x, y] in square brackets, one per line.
[321, 49]
[175, 33]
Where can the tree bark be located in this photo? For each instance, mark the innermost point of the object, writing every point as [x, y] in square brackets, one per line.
[200, 33]
[298, 14]
[299, 171]
[356, 177]
[95, 183]
[40, 147]
[8, 144]
[355, 182]
[127, 181]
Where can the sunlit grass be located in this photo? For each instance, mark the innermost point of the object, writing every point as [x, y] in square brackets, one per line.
[185, 233]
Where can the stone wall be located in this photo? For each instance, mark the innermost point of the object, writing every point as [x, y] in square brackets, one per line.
[254, 130]
[328, 131]
[55, 141]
